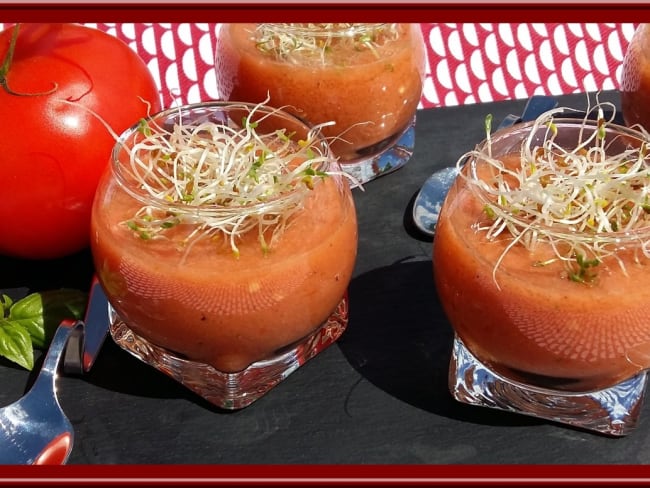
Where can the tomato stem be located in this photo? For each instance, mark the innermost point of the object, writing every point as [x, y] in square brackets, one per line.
[6, 64]
[10, 54]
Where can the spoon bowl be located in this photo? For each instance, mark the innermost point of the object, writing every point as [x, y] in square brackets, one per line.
[34, 429]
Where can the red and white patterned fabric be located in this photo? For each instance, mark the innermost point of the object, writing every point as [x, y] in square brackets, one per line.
[472, 63]
[467, 63]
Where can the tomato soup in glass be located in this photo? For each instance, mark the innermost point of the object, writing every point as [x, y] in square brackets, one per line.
[233, 291]
[363, 79]
[542, 265]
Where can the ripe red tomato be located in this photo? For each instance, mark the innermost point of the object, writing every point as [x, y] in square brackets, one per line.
[53, 153]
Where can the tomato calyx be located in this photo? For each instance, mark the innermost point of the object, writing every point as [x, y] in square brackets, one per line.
[6, 63]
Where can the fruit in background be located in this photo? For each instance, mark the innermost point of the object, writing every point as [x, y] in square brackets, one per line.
[54, 152]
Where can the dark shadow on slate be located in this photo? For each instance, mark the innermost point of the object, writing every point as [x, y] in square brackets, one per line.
[119, 371]
[400, 341]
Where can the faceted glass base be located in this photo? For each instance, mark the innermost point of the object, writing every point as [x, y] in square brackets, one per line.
[612, 411]
[383, 158]
[232, 390]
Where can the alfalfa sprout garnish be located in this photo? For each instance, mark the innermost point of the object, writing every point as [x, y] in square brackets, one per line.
[225, 178]
[583, 201]
[315, 42]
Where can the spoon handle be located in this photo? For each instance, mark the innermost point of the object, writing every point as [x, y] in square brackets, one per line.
[537, 105]
[47, 376]
[84, 345]
[96, 324]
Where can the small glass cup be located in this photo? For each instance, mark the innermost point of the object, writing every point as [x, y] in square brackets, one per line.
[225, 236]
[366, 78]
[542, 270]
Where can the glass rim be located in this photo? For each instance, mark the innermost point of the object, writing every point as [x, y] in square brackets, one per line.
[125, 181]
[308, 29]
[569, 121]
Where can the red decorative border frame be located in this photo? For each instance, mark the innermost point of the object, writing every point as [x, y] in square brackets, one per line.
[326, 475]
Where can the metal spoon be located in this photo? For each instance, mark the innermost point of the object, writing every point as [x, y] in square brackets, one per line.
[84, 347]
[428, 202]
[34, 429]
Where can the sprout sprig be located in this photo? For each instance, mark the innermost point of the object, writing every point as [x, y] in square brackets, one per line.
[314, 42]
[586, 202]
[223, 178]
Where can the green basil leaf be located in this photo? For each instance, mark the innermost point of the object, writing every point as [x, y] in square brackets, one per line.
[16, 344]
[41, 313]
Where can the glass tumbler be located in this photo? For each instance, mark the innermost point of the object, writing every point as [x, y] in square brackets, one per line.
[363, 81]
[225, 236]
[541, 260]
